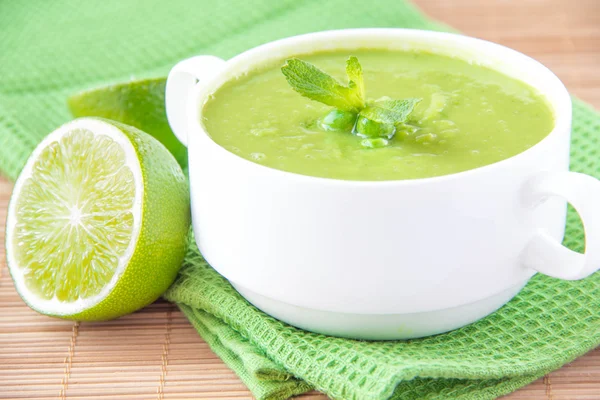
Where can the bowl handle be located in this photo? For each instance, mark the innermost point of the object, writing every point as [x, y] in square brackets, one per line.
[545, 254]
[182, 78]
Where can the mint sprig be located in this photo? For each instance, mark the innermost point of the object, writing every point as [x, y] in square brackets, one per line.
[315, 84]
[373, 119]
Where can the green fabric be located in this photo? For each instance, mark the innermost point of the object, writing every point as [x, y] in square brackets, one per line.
[266, 379]
[49, 50]
[548, 324]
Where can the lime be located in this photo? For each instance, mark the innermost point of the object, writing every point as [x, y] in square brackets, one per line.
[97, 222]
[139, 103]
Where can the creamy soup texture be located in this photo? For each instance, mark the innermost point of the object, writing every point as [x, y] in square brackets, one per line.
[469, 116]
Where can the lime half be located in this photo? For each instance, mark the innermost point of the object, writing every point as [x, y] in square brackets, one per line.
[98, 221]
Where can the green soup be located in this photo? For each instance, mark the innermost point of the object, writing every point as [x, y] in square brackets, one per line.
[469, 116]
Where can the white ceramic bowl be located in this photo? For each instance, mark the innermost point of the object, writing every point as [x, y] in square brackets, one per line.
[434, 255]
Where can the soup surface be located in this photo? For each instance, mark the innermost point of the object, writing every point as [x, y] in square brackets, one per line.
[469, 116]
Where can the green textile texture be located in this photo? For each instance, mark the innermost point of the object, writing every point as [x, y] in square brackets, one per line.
[49, 50]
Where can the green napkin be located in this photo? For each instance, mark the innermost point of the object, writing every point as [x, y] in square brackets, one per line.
[48, 50]
[548, 324]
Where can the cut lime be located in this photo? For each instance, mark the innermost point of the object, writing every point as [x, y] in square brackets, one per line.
[139, 103]
[98, 221]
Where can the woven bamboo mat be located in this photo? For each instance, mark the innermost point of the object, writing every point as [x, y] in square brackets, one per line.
[155, 353]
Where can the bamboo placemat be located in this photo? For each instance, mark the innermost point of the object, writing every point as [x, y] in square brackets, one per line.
[156, 354]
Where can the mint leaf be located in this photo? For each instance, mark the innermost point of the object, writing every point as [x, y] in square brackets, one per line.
[389, 111]
[356, 82]
[315, 84]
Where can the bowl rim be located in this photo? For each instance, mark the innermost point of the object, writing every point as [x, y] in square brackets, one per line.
[245, 62]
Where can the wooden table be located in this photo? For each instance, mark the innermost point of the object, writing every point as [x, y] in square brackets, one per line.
[155, 353]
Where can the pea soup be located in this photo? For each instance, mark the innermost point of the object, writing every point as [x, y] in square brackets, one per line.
[466, 116]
